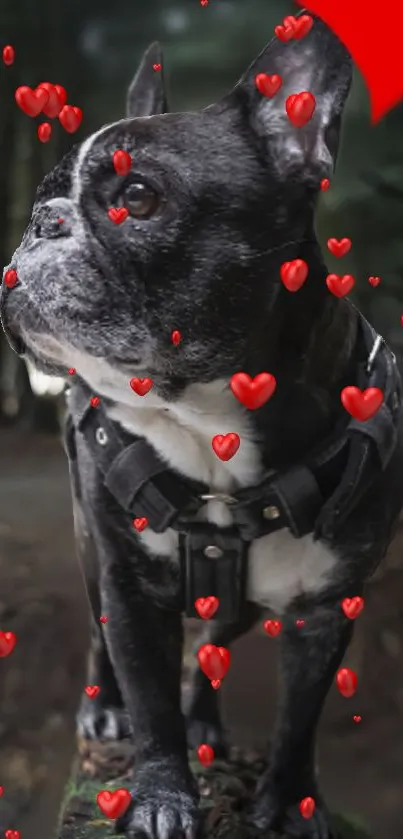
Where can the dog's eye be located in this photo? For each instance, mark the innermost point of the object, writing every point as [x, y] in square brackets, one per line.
[141, 200]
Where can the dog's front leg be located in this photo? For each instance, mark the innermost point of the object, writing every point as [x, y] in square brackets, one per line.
[144, 641]
[310, 656]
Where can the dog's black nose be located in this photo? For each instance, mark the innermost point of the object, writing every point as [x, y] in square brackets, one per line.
[52, 220]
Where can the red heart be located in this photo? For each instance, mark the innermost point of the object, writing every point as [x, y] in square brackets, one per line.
[299, 623]
[207, 606]
[347, 682]
[8, 55]
[12, 834]
[122, 162]
[362, 405]
[44, 132]
[157, 67]
[286, 31]
[1, 791]
[205, 753]
[374, 281]
[357, 718]
[95, 401]
[302, 26]
[340, 286]
[32, 102]
[216, 683]
[141, 386]
[307, 807]
[56, 101]
[325, 184]
[226, 445]
[300, 108]
[352, 607]
[214, 661]
[70, 118]
[339, 247]
[273, 628]
[140, 524]
[293, 274]
[176, 337]
[268, 85]
[113, 804]
[253, 393]
[103, 619]
[10, 278]
[118, 214]
[92, 691]
[8, 641]
[72, 371]
[204, 2]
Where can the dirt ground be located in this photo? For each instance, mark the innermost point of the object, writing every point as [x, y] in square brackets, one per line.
[42, 601]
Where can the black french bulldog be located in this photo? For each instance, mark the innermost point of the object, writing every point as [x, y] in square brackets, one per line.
[302, 514]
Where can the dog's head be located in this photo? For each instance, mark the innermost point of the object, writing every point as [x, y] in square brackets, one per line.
[217, 200]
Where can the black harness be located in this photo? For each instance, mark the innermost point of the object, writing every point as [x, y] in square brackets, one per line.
[314, 496]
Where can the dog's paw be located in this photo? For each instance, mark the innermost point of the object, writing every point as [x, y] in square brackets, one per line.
[269, 813]
[164, 806]
[96, 722]
[203, 731]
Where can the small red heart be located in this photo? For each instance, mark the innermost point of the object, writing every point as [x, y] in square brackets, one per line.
[302, 26]
[92, 691]
[307, 807]
[284, 32]
[346, 681]
[340, 286]
[204, 2]
[113, 804]
[293, 274]
[226, 445]
[141, 386]
[44, 132]
[118, 214]
[103, 619]
[299, 623]
[95, 401]
[1, 791]
[374, 281]
[32, 102]
[216, 683]
[352, 607]
[357, 718]
[300, 108]
[157, 67]
[8, 55]
[12, 834]
[140, 524]
[10, 278]
[207, 606]
[205, 753]
[214, 661]
[176, 337]
[72, 371]
[8, 641]
[273, 628]
[339, 247]
[268, 85]
[362, 404]
[57, 99]
[122, 162]
[70, 118]
[253, 393]
[325, 184]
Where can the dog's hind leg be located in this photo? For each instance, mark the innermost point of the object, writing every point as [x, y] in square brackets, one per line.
[202, 709]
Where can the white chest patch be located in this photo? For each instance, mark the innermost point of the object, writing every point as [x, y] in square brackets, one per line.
[280, 566]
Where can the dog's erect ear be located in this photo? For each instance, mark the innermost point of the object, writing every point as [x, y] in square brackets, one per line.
[317, 63]
[146, 95]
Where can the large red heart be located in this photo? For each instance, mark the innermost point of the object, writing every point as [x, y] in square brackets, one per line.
[362, 404]
[207, 606]
[307, 807]
[293, 274]
[253, 393]
[340, 286]
[352, 607]
[346, 681]
[268, 85]
[8, 641]
[339, 247]
[300, 107]
[70, 118]
[122, 162]
[113, 804]
[226, 445]
[57, 99]
[374, 39]
[205, 753]
[32, 102]
[214, 661]
[273, 628]
[12, 834]
[141, 386]
[10, 278]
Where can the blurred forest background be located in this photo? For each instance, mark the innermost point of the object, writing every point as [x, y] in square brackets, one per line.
[92, 48]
